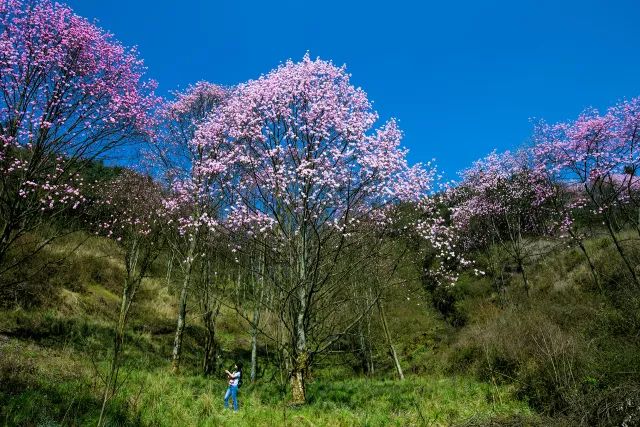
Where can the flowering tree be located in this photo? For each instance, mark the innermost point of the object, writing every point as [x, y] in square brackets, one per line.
[251, 293]
[194, 172]
[313, 179]
[69, 93]
[129, 210]
[599, 154]
[444, 257]
[570, 207]
[627, 178]
[502, 200]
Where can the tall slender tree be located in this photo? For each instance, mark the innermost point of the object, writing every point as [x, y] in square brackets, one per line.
[314, 179]
[193, 171]
[129, 210]
[599, 154]
[502, 200]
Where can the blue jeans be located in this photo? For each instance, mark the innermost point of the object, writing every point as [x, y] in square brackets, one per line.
[232, 391]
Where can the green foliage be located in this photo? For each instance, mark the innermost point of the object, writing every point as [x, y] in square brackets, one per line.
[97, 171]
[567, 355]
[570, 350]
[56, 352]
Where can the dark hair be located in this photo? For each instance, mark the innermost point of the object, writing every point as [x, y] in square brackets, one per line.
[239, 365]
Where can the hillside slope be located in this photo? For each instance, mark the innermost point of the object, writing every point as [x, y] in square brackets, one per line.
[55, 351]
[565, 355]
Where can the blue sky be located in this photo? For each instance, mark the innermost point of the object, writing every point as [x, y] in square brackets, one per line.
[463, 78]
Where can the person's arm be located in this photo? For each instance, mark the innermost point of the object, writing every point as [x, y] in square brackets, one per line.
[229, 374]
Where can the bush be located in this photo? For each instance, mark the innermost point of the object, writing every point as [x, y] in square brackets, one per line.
[619, 405]
[526, 347]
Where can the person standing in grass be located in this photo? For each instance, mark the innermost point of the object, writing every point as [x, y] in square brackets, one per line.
[234, 383]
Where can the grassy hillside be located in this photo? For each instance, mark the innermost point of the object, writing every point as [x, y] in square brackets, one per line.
[570, 349]
[566, 355]
[55, 352]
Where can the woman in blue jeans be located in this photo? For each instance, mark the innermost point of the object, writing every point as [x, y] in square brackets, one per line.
[232, 390]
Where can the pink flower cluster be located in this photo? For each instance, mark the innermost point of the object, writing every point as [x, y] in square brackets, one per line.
[64, 76]
[444, 239]
[501, 193]
[599, 153]
[197, 176]
[195, 102]
[128, 207]
[302, 145]
[68, 92]
[588, 165]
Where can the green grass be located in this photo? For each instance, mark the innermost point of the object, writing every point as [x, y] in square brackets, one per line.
[569, 352]
[54, 354]
[55, 386]
[52, 364]
[438, 401]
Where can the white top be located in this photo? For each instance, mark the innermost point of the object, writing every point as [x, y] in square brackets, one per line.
[235, 377]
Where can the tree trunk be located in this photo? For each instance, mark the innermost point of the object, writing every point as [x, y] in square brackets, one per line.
[182, 308]
[392, 350]
[618, 246]
[362, 349]
[209, 320]
[210, 349]
[301, 362]
[256, 321]
[371, 367]
[118, 343]
[254, 344]
[298, 386]
[254, 354]
[4, 239]
[169, 269]
[523, 273]
[592, 267]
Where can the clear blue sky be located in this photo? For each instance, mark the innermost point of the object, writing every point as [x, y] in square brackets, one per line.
[462, 77]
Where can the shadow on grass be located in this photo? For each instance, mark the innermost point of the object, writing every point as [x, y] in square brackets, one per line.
[26, 403]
